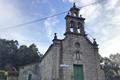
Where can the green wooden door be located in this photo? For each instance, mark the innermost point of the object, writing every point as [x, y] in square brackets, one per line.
[30, 77]
[78, 72]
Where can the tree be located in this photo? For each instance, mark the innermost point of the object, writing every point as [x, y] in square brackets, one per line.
[115, 58]
[111, 66]
[16, 56]
[27, 55]
[7, 48]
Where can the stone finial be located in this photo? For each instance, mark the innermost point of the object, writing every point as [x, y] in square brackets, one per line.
[80, 16]
[94, 42]
[68, 13]
[74, 5]
[55, 35]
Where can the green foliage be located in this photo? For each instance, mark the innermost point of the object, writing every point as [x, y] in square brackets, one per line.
[115, 58]
[12, 53]
[111, 66]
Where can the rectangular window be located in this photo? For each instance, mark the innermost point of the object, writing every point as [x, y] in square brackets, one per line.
[78, 72]
[3, 76]
[29, 76]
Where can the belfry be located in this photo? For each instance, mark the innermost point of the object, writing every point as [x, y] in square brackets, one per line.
[74, 22]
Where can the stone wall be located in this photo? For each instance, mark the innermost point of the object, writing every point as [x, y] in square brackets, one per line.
[47, 69]
[88, 58]
[32, 69]
[50, 63]
[64, 52]
[12, 78]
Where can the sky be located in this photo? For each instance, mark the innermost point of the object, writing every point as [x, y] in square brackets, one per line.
[102, 22]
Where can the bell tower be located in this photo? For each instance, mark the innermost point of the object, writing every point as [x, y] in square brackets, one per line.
[74, 22]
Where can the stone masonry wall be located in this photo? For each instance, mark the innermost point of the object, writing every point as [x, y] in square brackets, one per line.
[33, 69]
[87, 58]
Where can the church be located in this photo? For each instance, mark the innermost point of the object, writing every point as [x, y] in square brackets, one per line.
[73, 58]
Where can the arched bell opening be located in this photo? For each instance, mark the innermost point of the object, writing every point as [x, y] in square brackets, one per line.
[72, 24]
[78, 30]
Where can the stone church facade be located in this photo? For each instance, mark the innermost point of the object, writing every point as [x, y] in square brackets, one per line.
[73, 58]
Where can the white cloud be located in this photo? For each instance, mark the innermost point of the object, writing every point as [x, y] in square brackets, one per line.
[9, 13]
[110, 47]
[12, 14]
[111, 4]
[50, 23]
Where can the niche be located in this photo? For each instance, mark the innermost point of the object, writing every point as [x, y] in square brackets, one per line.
[78, 56]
